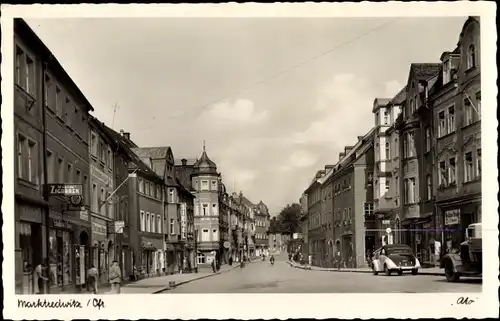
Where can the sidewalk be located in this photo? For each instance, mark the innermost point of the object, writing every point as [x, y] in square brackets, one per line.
[164, 283]
[423, 271]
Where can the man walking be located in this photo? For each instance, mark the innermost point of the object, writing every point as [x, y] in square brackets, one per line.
[115, 278]
[92, 274]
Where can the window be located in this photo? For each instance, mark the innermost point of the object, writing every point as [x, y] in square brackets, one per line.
[214, 185]
[215, 236]
[446, 72]
[405, 146]
[141, 185]
[442, 173]
[205, 209]
[110, 158]
[171, 195]
[158, 192]
[95, 198]
[451, 119]
[387, 184]
[412, 196]
[441, 124]
[405, 192]
[396, 183]
[478, 163]
[429, 187]
[69, 174]
[47, 90]
[148, 222]
[50, 167]
[205, 237]
[478, 105]
[59, 105]
[427, 139]
[396, 149]
[153, 221]
[25, 71]
[368, 209]
[172, 226]
[411, 143]
[78, 177]
[204, 185]
[452, 171]
[93, 143]
[387, 150]
[20, 157]
[146, 191]
[200, 258]
[471, 56]
[67, 109]
[386, 118]
[214, 209]
[377, 119]
[30, 76]
[411, 107]
[468, 167]
[143, 221]
[102, 206]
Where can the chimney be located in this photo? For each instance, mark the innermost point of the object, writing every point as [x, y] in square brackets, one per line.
[121, 132]
[327, 167]
[127, 136]
[184, 162]
[360, 138]
[347, 149]
[341, 155]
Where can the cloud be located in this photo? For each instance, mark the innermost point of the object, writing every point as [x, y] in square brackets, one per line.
[301, 159]
[346, 101]
[242, 110]
[392, 88]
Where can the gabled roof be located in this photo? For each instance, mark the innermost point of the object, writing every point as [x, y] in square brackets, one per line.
[400, 97]
[423, 71]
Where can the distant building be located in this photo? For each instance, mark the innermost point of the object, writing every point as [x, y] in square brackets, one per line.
[262, 222]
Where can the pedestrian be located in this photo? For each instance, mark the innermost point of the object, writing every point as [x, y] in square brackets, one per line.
[230, 260]
[39, 279]
[92, 275]
[115, 277]
[213, 266]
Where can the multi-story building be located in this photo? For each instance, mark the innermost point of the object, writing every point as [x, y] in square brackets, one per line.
[51, 134]
[393, 220]
[413, 125]
[262, 219]
[204, 182]
[226, 238]
[102, 209]
[304, 224]
[352, 194]
[146, 206]
[120, 230]
[327, 224]
[316, 236]
[456, 111]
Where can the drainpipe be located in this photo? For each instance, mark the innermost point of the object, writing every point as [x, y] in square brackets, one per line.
[45, 171]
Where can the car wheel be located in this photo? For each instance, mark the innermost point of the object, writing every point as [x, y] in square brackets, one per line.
[414, 271]
[375, 272]
[387, 271]
[400, 272]
[451, 276]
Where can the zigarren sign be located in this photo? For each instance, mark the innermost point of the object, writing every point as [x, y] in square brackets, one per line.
[64, 189]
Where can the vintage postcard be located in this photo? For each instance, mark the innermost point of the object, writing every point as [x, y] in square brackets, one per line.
[249, 161]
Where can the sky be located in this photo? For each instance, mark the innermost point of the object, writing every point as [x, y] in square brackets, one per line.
[275, 99]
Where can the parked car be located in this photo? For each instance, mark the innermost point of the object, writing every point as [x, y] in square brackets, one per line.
[395, 258]
[469, 260]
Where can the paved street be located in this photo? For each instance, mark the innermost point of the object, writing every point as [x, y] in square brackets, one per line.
[259, 277]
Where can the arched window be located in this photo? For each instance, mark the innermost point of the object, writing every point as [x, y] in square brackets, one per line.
[471, 56]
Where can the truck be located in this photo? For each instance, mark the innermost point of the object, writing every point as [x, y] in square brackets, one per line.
[469, 259]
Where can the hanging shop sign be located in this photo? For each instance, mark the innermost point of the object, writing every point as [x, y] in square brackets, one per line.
[64, 189]
[116, 227]
[99, 227]
[452, 217]
[62, 224]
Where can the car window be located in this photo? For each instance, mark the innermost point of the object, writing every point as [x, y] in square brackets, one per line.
[399, 250]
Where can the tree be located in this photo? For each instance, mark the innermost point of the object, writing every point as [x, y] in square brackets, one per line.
[287, 221]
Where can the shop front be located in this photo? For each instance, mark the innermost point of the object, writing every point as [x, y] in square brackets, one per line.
[99, 248]
[68, 252]
[124, 252]
[150, 256]
[456, 219]
[29, 234]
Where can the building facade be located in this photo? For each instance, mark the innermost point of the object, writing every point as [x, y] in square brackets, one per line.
[352, 193]
[316, 236]
[262, 219]
[417, 208]
[456, 111]
[51, 135]
[204, 181]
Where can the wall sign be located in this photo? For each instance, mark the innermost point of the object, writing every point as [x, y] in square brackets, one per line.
[452, 217]
[64, 189]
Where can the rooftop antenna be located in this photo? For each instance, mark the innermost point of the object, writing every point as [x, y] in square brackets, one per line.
[115, 108]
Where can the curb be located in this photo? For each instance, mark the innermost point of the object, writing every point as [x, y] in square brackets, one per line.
[164, 289]
[352, 271]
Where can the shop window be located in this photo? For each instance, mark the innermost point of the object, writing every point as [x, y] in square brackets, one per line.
[200, 258]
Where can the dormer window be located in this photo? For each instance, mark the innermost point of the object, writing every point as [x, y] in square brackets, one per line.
[471, 57]
[446, 71]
